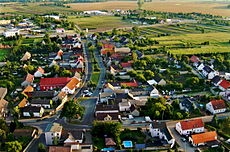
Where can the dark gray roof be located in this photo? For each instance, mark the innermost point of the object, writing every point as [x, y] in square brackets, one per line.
[40, 101]
[102, 107]
[187, 103]
[123, 96]
[163, 128]
[157, 78]
[216, 79]
[31, 109]
[208, 69]
[140, 146]
[47, 94]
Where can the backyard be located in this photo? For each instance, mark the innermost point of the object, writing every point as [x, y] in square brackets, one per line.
[3, 53]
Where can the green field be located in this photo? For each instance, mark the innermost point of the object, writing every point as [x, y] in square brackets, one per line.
[98, 23]
[28, 41]
[95, 77]
[183, 29]
[3, 53]
[219, 42]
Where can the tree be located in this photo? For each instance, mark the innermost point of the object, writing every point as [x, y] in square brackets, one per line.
[140, 3]
[66, 73]
[13, 146]
[148, 75]
[111, 129]
[41, 147]
[71, 109]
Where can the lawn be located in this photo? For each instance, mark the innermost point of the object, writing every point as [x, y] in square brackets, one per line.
[136, 136]
[95, 77]
[3, 53]
[98, 23]
[28, 41]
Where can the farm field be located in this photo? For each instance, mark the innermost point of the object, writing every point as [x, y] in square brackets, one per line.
[183, 29]
[207, 7]
[99, 23]
[3, 53]
[204, 6]
[219, 42]
[31, 8]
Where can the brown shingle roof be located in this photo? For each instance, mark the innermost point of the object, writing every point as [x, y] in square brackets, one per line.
[59, 149]
[218, 104]
[29, 78]
[109, 142]
[3, 92]
[24, 132]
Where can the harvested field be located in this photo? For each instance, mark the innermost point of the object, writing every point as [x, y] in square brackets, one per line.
[206, 7]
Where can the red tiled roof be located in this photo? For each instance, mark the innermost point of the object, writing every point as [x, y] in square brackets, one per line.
[125, 65]
[54, 81]
[72, 84]
[108, 46]
[191, 124]
[218, 104]
[115, 56]
[194, 59]
[130, 84]
[225, 84]
[204, 137]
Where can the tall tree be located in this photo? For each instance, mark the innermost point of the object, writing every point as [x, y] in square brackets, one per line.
[140, 3]
[13, 146]
[71, 109]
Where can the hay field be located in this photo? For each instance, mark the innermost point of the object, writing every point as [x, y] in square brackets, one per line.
[218, 8]
[99, 23]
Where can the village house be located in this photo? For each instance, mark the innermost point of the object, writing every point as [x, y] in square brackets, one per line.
[194, 59]
[60, 30]
[53, 131]
[224, 85]
[157, 81]
[11, 32]
[160, 130]
[26, 56]
[123, 50]
[188, 127]
[59, 148]
[107, 48]
[28, 81]
[76, 139]
[40, 71]
[52, 83]
[216, 106]
[107, 112]
[31, 111]
[28, 90]
[200, 66]
[187, 105]
[71, 86]
[3, 103]
[43, 94]
[23, 103]
[62, 96]
[18, 133]
[127, 66]
[207, 138]
[5, 22]
[110, 142]
[45, 103]
[208, 72]
[216, 80]
[124, 106]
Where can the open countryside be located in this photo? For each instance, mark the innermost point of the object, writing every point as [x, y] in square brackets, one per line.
[106, 76]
